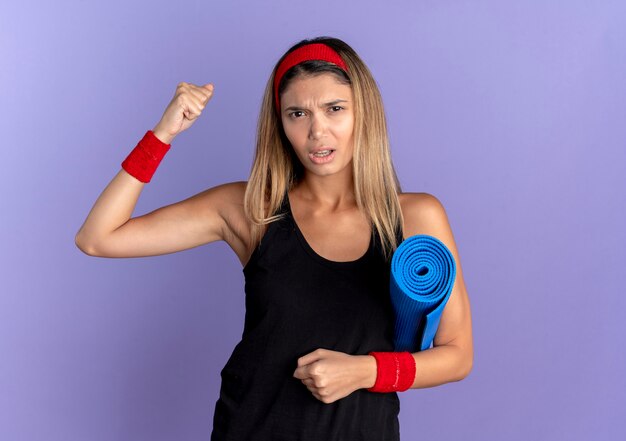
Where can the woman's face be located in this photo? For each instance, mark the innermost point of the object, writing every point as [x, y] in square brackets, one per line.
[317, 114]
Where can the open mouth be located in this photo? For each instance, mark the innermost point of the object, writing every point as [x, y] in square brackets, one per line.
[322, 156]
[322, 153]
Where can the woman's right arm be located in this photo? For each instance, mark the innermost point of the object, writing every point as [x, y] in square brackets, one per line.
[109, 230]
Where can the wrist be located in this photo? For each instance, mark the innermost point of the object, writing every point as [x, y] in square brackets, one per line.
[163, 136]
[395, 371]
[144, 159]
[369, 372]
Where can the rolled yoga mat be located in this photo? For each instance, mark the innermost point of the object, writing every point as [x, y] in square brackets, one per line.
[422, 276]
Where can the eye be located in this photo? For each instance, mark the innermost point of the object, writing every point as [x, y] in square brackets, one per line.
[336, 107]
[292, 114]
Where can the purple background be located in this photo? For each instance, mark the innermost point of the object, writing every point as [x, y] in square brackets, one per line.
[512, 113]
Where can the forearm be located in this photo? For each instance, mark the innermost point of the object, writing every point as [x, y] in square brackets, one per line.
[112, 209]
[435, 366]
[440, 365]
[117, 202]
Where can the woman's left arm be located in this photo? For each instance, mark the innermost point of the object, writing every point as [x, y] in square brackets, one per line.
[451, 357]
[331, 375]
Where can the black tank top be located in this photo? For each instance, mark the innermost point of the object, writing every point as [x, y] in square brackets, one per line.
[298, 301]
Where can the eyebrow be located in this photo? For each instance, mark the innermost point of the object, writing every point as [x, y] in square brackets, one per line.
[330, 103]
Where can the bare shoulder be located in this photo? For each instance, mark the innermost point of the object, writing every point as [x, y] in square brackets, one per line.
[233, 192]
[224, 199]
[423, 214]
[231, 197]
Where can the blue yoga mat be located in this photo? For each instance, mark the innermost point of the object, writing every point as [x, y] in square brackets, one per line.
[422, 277]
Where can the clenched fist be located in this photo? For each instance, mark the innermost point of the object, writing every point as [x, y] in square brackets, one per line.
[331, 375]
[184, 109]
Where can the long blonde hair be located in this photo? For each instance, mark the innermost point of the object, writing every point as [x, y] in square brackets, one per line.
[276, 168]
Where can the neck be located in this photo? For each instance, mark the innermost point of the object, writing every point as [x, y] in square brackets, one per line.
[334, 192]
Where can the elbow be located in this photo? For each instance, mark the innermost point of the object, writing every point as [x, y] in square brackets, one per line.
[466, 364]
[461, 363]
[465, 371]
[84, 246]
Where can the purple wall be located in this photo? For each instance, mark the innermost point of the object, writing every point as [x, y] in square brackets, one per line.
[512, 113]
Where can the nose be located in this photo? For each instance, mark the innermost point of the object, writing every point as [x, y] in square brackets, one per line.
[318, 126]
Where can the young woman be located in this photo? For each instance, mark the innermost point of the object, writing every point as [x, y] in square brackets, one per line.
[314, 227]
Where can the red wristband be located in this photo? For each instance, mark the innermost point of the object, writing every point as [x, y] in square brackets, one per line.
[143, 161]
[395, 371]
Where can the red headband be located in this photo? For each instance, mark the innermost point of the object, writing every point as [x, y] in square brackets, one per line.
[313, 51]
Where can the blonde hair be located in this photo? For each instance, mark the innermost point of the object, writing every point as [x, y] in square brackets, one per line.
[276, 168]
